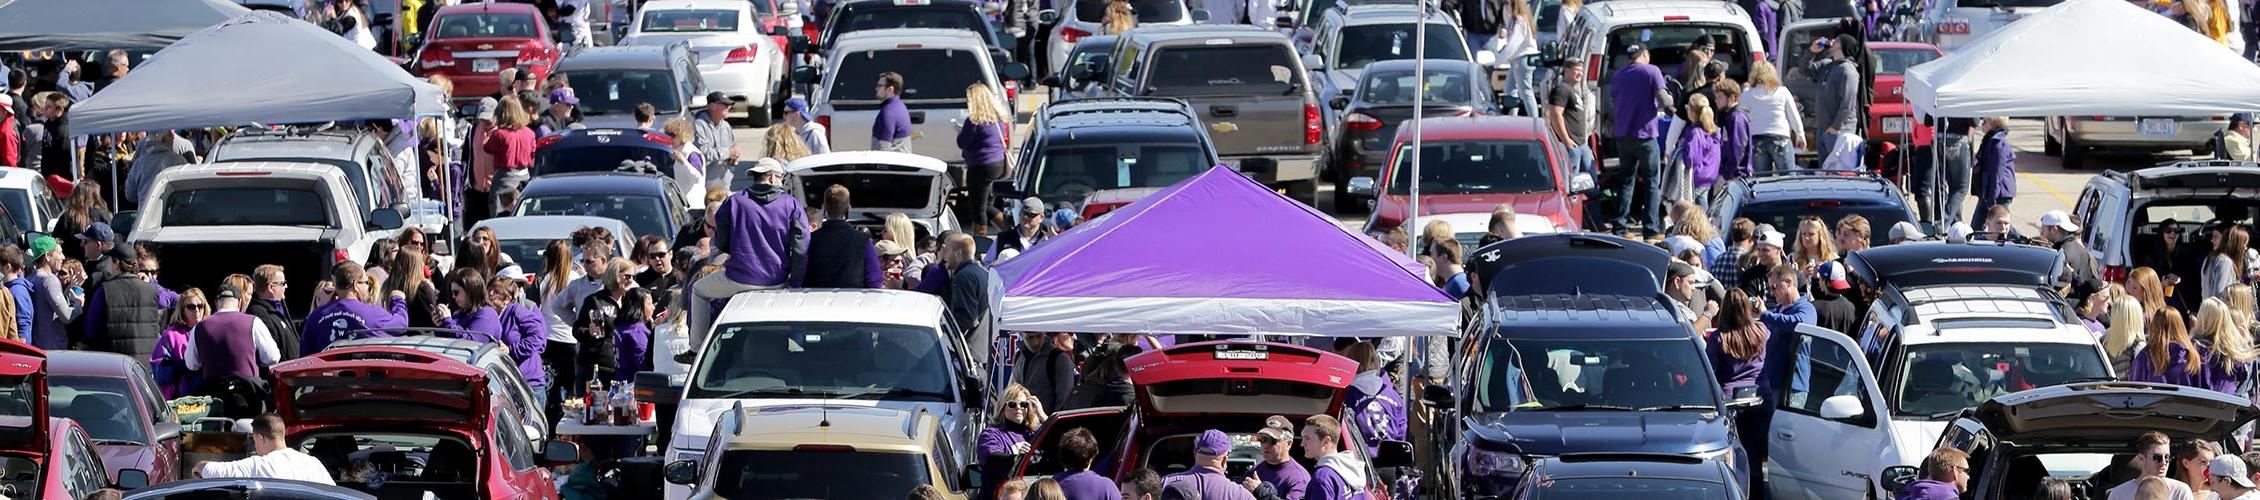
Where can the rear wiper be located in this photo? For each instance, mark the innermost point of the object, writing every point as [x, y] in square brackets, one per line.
[1942, 415]
[1587, 407]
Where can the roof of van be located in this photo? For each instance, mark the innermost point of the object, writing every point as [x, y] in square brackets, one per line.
[934, 37]
[896, 307]
[1199, 31]
[1659, 10]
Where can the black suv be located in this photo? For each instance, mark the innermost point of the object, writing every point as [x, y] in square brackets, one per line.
[1782, 198]
[1579, 353]
[1627, 475]
[1103, 153]
[863, 15]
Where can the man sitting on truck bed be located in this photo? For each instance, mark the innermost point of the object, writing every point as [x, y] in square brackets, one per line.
[764, 231]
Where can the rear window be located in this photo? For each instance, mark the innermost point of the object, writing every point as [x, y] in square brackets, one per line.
[817, 473]
[1149, 11]
[939, 73]
[1261, 68]
[1070, 173]
[598, 159]
[689, 21]
[245, 206]
[1668, 43]
[1896, 61]
[485, 25]
[616, 91]
[1785, 216]
[879, 18]
[876, 191]
[1365, 44]
[1395, 88]
[642, 214]
[1473, 167]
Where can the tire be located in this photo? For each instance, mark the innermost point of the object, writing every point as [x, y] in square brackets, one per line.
[2075, 155]
[1344, 203]
[759, 116]
[2049, 145]
[1305, 191]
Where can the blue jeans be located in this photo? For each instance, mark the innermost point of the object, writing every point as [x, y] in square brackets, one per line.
[1580, 160]
[1770, 153]
[1954, 173]
[1640, 161]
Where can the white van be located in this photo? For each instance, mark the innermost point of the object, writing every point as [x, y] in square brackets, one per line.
[1603, 30]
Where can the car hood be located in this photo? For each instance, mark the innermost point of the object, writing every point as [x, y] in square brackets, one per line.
[116, 457]
[695, 418]
[1558, 432]
[1550, 205]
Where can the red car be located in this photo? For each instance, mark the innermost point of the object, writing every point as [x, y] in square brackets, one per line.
[40, 456]
[425, 420]
[1230, 386]
[1890, 118]
[1471, 165]
[114, 398]
[468, 43]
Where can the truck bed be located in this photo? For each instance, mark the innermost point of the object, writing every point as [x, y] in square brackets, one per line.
[203, 265]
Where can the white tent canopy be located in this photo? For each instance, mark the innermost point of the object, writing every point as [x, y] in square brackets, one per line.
[2087, 57]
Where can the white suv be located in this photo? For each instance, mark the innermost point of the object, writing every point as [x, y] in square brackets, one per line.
[1953, 325]
[734, 56]
[936, 66]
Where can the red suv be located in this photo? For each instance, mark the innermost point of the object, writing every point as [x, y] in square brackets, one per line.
[424, 420]
[1230, 386]
[1470, 165]
[45, 457]
[1890, 118]
[469, 43]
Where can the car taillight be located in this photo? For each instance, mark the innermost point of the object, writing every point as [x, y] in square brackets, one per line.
[1070, 34]
[1757, 56]
[1593, 68]
[435, 59]
[659, 138]
[339, 255]
[1361, 122]
[741, 55]
[2114, 274]
[1011, 90]
[1954, 27]
[826, 122]
[546, 141]
[1311, 124]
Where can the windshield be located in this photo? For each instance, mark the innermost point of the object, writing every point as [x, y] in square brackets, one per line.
[523, 250]
[1896, 61]
[818, 474]
[1071, 173]
[1616, 487]
[823, 360]
[1388, 42]
[102, 405]
[598, 159]
[1395, 88]
[1262, 68]
[1475, 168]
[921, 16]
[877, 191]
[485, 25]
[245, 206]
[1943, 379]
[942, 73]
[642, 214]
[18, 205]
[605, 91]
[1550, 374]
[1149, 11]
[689, 21]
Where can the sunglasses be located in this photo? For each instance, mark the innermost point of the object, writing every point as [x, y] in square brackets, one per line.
[2157, 457]
[1020, 405]
[199, 307]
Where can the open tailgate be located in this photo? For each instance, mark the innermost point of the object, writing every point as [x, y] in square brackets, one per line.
[2114, 411]
[1233, 377]
[364, 385]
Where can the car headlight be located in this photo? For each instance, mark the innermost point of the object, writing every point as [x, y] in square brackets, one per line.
[1722, 455]
[1482, 462]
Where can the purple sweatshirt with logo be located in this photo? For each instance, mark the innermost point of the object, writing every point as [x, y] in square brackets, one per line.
[528, 336]
[338, 320]
[765, 232]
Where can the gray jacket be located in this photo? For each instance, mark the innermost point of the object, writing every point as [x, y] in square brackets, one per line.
[1840, 97]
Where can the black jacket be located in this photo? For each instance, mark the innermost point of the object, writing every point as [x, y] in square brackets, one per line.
[279, 324]
[131, 320]
[838, 256]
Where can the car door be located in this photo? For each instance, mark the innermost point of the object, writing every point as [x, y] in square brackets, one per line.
[1109, 424]
[2102, 215]
[1825, 420]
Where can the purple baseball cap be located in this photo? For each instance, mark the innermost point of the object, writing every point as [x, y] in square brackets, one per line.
[1213, 443]
[564, 95]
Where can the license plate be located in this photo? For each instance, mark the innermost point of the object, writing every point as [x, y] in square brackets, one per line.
[1896, 125]
[2160, 127]
[485, 65]
[1243, 355]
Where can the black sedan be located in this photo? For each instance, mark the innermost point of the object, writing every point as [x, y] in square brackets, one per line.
[1627, 475]
[1383, 100]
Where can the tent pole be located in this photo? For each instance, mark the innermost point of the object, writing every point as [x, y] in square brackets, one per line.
[1420, 93]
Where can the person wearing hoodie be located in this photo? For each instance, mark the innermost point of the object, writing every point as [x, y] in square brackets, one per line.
[1734, 130]
[477, 314]
[1995, 178]
[1341, 473]
[523, 328]
[340, 318]
[1005, 439]
[1206, 479]
[1373, 399]
[764, 231]
[1945, 473]
[1046, 366]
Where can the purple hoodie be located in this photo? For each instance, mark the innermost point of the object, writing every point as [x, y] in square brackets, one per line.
[338, 319]
[765, 232]
[996, 442]
[2177, 372]
[1702, 154]
[1734, 144]
[1929, 490]
[1087, 485]
[482, 319]
[528, 336]
[632, 343]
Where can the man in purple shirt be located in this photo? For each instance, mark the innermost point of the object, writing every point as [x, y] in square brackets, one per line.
[1077, 449]
[1341, 472]
[891, 132]
[1206, 480]
[764, 231]
[1279, 476]
[1635, 95]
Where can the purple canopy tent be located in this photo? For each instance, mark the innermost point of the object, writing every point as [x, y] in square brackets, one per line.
[1219, 254]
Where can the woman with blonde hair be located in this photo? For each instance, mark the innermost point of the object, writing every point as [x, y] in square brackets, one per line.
[783, 144]
[2124, 338]
[2227, 345]
[2143, 285]
[1814, 247]
[2241, 304]
[681, 132]
[2170, 357]
[981, 139]
[1774, 121]
[1016, 416]
[1120, 17]
[1699, 149]
[168, 361]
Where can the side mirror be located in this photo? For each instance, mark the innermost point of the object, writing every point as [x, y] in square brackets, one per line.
[556, 453]
[168, 430]
[1581, 182]
[1013, 71]
[1486, 57]
[1313, 62]
[1897, 477]
[385, 219]
[1051, 81]
[781, 30]
[130, 479]
[1047, 16]
[683, 472]
[1200, 16]
[1084, 72]
[416, 40]
[1393, 454]
[1745, 397]
[121, 222]
[807, 75]
[657, 388]
[1439, 396]
[1338, 103]
[1842, 407]
[1361, 186]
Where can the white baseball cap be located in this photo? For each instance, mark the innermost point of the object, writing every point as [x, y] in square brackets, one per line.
[2057, 219]
[2230, 467]
[1768, 236]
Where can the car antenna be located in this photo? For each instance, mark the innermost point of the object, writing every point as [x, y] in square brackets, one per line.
[826, 411]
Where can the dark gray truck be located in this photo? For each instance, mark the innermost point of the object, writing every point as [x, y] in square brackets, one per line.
[1246, 84]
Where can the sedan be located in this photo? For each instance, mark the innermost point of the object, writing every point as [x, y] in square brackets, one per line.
[647, 204]
[114, 398]
[469, 43]
[1383, 100]
[734, 56]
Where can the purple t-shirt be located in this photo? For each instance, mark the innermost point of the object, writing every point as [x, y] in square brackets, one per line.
[1632, 97]
[1087, 485]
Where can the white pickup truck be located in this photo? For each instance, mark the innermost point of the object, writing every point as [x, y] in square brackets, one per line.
[212, 220]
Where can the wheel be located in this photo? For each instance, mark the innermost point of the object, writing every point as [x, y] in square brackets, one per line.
[1305, 191]
[1344, 204]
[2048, 144]
[2075, 155]
[758, 116]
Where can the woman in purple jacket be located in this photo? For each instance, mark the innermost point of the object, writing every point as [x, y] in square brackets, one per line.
[981, 140]
[2170, 357]
[1699, 147]
[1736, 345]
[522, 326]
[1996, 173]
[1018, 414]
[476, 315]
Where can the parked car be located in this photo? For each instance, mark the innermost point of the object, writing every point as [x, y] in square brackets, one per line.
[936, 66]
[888, 349]
[1249, 88]
[1371, 109]
[611, 81]
[854, 16]
[116, 401]
[1953, 325]
[1783, 198]
[46, 456]
[647, 204]
[603, 150]
[2122, 215]
[1474, 164]
[391, 407]
[1890, 118]
[1086, 18]
[1580, 352]
[2078, 432]
[1626, 475]
[1955, 23]
[486, 354]
[1231, 386]
[1343, 45]
[2074, 137]
[824, 450]
[882, 183]
[1603, 30]
[225, 218]
[30, 205]
[737, 55]
[238, 488]
[523, 237]
[1081, 69]
[468, 43]
[1103, 153]
[376, 181]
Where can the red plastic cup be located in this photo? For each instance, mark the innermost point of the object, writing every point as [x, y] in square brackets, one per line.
[643, 411]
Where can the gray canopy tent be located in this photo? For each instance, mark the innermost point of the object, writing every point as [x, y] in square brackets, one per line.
[106, 24]
[258, 68]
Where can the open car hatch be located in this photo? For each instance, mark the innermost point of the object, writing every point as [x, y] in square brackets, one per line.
[23, 397]
[363, 385]
[2113, 411]
[1231, 377]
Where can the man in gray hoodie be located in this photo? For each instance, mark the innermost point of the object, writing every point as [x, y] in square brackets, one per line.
[1839, 109]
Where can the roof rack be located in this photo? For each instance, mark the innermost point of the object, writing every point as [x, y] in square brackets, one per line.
[1815, 173]
[1079, 106]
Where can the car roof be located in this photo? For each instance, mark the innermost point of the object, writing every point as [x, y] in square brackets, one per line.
[893, 307]
[498, 7]
[1239, 33]
[1693, 10]
[616, 57]
[891, 38]
[325, 145]
[1631, 465]
[808, 164]
[547, 226]
[1118, 111]
[16, 178]
[75, 362]
[866, 428]
[595, 182]
[695, 4]
[262, 168]
[1936, 306]
[1388, 13]
[1461, 128]
[1587, 316]
[466, 351]
[1909, 265]
[607, 137]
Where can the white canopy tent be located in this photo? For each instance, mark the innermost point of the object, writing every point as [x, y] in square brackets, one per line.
[2087, 57]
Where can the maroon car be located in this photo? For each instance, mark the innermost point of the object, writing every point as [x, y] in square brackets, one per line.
[468, 43]
[116, 400]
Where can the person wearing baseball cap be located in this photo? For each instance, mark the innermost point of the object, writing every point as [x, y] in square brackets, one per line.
[1026, 232]
[764, 231]
[2063, 234]
[1905, 232]
[1638, 94]
[710, 132]
[1206, 479]
[1279, 472]
[2231, 479]
[804, 123]
[230, 341]
[1765, 254]
[561, 115]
